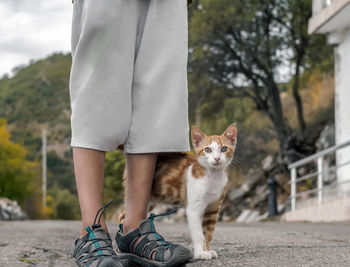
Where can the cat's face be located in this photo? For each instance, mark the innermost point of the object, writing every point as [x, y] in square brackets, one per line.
[215, 151]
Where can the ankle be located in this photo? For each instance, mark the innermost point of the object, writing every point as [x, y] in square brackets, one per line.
[132, 221]
[128, 229]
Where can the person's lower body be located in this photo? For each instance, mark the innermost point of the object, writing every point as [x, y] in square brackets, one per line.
[89, 170]
[128, 86]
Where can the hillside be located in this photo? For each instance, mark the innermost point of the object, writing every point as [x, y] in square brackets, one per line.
[38, 96]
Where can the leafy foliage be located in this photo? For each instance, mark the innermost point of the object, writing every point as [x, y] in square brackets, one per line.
[16, 173]
[63, 204]
[114, 167]
[63, 166]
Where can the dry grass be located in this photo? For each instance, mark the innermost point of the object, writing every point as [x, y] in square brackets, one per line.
[317, 97]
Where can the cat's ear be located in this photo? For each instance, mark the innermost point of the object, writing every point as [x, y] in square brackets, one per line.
[197, 136]
[231, 133]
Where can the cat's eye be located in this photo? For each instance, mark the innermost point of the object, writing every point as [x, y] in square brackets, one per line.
[207, 149]
[224, 149]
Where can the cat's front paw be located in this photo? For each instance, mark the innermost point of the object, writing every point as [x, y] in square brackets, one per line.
[213, 254]
[203, 255]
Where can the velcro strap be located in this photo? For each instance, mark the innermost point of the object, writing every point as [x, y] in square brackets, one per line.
[159, 256]
[140, 246]
[127, 242]
[152, 247]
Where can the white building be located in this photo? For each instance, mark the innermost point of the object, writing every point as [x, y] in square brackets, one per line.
[332, 18]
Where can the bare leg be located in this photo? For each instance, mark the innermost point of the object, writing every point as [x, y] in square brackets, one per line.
[89, 173]
[140, 172]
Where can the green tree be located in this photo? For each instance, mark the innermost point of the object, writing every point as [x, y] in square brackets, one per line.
[114, 168]
[63, 203]
[16, 173]
[60, 171]
[242, 46]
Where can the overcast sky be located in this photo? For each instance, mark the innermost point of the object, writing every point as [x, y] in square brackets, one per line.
[32, 30]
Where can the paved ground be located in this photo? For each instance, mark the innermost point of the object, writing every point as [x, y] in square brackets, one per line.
[50, 243]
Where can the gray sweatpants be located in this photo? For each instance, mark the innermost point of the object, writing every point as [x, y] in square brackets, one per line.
[128, 81]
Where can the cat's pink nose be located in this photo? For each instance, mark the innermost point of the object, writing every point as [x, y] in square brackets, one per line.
[217, 159]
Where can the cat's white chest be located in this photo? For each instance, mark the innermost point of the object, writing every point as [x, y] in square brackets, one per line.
[205, 190]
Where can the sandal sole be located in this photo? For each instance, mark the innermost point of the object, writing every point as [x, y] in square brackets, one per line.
[111, 263]
[180, 257]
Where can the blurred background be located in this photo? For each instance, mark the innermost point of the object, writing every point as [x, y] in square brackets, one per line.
[251, 62]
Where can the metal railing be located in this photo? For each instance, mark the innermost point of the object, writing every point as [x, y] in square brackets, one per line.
[320, 173]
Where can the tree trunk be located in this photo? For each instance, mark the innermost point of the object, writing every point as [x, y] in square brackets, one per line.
[275, 113]
[297, 98]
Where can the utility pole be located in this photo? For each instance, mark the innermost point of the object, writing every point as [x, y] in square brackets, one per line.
[44, 178]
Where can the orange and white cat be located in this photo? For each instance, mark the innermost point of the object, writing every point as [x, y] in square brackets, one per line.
[198, 182]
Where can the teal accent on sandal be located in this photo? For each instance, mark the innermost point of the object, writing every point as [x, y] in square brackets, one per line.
[153, 229]
[92, 236]
[152, 225]
[151, 218]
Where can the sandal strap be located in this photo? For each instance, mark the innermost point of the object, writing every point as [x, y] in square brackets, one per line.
[151, 247]
[143, 244]
[152, 215]
[149, 242]
[159, 253]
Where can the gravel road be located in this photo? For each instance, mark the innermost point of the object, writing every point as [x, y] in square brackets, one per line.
[50, 243]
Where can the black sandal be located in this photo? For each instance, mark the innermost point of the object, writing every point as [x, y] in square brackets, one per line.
[139, 246]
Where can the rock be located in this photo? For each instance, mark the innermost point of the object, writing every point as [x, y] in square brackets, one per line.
[302, 171]
[236, 194]
[243, 216]
[252, 179]
[260, 195]
[230, 211]
[327, 138]
[245, 187]
[253, 216]
[267, 163]
[247, 216]
[261, 189]
[262, 217]
[4, 215]
[281, 208]
[226, 218]
[330, 176]
[246, 203]
[10, 210]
